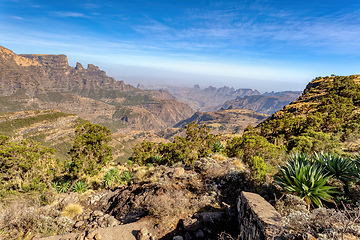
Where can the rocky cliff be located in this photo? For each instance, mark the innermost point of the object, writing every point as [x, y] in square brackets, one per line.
[35, 81]
[267, 103]
[207, 99]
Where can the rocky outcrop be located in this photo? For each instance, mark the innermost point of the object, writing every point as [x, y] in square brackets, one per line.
[79, 66]
[123, 232]
[49, 61]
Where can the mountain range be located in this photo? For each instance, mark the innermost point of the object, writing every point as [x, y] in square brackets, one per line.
[33, 81]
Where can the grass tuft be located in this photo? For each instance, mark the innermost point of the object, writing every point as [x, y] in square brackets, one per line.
[72, 210]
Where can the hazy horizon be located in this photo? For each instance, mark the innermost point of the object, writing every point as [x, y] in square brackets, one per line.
[264, 45]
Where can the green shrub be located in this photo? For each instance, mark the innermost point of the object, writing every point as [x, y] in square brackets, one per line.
[126, 176]
[26, 166]
[90, 151]
[251, 144]
[112, 178]
[259, 168]
[198, 143]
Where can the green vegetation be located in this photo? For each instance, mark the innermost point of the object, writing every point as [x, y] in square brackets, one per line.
[217, 147]
[113, 178]
[307, 175]
[90, 151]
[257, 152]
[80, 187]
[303, 178]
[26, 166]
[62, 186]
[197, 143]
[7, 127]
[323, 123]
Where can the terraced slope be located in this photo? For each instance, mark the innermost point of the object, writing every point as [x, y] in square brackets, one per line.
[52, 128]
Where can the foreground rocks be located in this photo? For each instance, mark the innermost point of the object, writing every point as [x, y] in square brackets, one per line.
[123, 232]
[162, 202]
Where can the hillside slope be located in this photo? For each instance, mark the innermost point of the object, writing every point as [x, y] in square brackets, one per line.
[52, 128]
[326, 117]
[32, 81]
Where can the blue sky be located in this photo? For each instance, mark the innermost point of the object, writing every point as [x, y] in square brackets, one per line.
[265, 44]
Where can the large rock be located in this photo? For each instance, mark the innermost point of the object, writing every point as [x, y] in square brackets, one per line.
[258, 219]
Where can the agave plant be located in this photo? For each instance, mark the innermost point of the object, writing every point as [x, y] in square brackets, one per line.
[356, 161]
[107, 180]
[126, 176]
[217, 147]
[80, 187]
[61, 187]
[301, 177]
[156, 159]
[343, 169]
[113, 177]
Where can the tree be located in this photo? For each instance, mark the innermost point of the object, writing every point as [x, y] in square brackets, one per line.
[26, 166]
[90, 151]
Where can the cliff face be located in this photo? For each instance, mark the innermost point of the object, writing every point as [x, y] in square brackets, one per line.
[208, 99]
[267, 103]
[34, 81]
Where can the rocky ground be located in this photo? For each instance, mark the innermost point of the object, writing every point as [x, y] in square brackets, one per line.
[176, 202]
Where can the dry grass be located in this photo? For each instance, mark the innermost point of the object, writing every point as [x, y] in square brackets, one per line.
[239, 164]
[219, 157]
[141, 173]
[72, 210]
[23, 218]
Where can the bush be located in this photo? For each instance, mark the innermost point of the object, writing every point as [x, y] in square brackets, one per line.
[250, 145]
[217, 147]
[198, 143]
[112, 178]
[90, 151]
[62, 186]
[26, 166]
[343, 169]
[259, 168]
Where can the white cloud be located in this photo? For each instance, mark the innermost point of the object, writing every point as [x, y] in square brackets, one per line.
[17, 18]
[70, 14]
